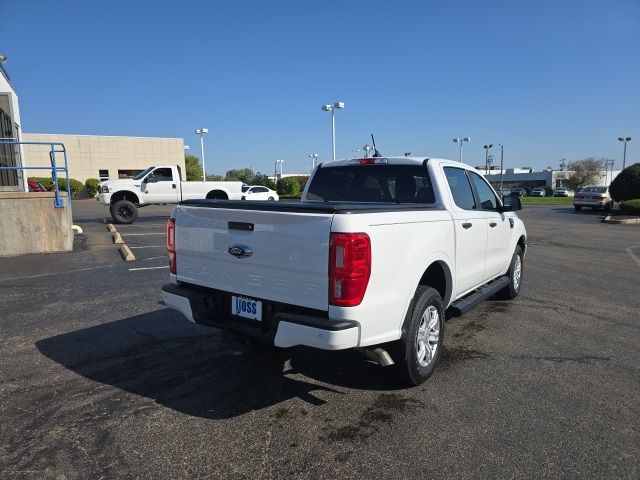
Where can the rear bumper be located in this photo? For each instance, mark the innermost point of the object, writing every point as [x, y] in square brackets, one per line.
[284, 329]
[591, 203]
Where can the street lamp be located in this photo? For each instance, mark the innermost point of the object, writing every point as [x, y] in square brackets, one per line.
[186, 147]
[275, 175]
[201, 132]
[501, 165]
[332, 108]
[624, 156]
[355, 152]
[460, 141]
[486, 157]
[367, 149]
[608, 163]
[314, 159]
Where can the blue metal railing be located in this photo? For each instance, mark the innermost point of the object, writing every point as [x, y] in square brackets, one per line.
[55, 147]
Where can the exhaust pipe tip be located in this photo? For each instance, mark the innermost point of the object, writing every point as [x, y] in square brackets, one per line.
[378, 355]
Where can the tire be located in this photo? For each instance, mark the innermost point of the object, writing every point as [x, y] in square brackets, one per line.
[124, 211]
[515, 274]
[416, 359]
[577, 207]
[271, 198]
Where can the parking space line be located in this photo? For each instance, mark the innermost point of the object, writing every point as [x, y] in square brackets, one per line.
[146, 268]
[140, 234]
[150, 246]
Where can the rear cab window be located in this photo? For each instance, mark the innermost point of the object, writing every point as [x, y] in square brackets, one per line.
[378, 183]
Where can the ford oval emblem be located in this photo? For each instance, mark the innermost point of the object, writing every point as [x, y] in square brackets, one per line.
[240, 251]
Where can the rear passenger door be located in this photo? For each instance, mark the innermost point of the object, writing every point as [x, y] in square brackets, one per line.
[499, 229]
[470, 228]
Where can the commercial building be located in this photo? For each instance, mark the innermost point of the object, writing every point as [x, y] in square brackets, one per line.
[105, 157]
[10, 155]
[526, 177]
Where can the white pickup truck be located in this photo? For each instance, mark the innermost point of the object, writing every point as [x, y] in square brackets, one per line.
[371, 258]
[159, 185]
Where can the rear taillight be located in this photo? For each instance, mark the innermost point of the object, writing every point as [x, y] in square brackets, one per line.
[349, 268]
[171, 244]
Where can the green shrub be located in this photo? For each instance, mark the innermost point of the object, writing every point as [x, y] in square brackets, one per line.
[92, 185]
[548, 191]
[76, 185]
[288, 186]
[289, 197]
[626, 186]
[631, 207]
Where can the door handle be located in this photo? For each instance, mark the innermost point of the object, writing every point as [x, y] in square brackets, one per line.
[174, 185]
[467, 225]
[493, 224]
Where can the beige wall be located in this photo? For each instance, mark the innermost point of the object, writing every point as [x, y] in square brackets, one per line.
[87, 154]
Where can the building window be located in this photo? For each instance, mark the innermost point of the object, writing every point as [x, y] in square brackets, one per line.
[103, 174]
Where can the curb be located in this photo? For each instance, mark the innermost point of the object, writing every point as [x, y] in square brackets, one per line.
[127, 254]
[125, 251]
[623, 221]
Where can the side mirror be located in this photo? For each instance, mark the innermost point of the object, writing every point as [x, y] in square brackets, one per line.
[510, 204]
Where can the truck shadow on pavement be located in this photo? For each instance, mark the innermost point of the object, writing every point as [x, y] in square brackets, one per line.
[185, 367]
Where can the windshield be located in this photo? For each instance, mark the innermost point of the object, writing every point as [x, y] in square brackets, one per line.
[141, 175]
[372, 183]
[594, 189]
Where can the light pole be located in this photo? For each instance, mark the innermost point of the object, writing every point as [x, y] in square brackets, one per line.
[367, 149]
[280, 162]
[608, 163]
[201, 132]
[486, 157]
[460, 141]
[355, 152]
[332, 108]
[624, 155]
[314, 159]
[501, 165]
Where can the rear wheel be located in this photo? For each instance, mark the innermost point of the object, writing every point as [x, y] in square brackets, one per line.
[124, 211]
[418, 351]
[271, 198]
[515, 272]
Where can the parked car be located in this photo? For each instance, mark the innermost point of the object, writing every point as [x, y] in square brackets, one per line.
[35, 186]
[594, 197]
[518, 192]
[538, 192]
[504, 192]
[561, 192]
[371, 258]
[258, 192]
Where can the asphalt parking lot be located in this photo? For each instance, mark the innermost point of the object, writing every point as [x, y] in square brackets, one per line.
[99, 380]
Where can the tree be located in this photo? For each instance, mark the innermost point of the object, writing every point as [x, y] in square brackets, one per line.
[626, 186]
[193, 168]
[289, 186]
[214, 178]
[244, 175]
[263, 180]
[582, 173]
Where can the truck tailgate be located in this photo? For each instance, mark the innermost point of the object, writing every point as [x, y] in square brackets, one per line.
[289, 260]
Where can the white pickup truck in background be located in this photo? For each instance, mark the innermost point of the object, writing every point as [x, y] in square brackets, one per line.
[371, 258]
[159, 185]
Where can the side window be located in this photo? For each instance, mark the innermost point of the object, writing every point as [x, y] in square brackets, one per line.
[261, 190]
[163, 174]
[460, 188]
[488, 200]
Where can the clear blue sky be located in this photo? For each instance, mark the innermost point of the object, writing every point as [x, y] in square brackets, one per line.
[548, 79]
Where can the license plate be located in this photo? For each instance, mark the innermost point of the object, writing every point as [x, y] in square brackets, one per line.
[246, 307]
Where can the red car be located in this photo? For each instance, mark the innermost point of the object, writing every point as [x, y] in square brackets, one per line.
[35, 186]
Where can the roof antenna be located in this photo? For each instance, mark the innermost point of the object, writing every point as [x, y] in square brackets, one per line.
[376, 153]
